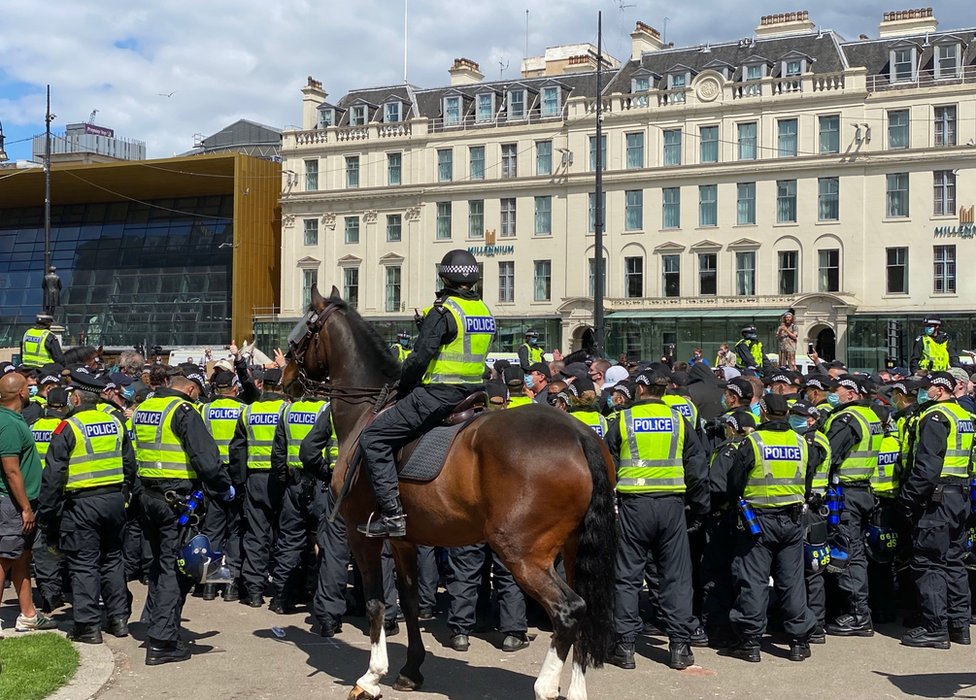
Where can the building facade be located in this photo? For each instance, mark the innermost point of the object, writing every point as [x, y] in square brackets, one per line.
[791, 169]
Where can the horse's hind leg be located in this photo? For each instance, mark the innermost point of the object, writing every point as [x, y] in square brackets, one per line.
[405, 554]
[367, 553]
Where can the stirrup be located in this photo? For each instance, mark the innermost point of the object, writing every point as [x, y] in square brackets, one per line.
[387, 531]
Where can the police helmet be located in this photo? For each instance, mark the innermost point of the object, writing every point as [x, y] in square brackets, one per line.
[531, 333]
[816, 557]
[45, 319]
[403, 335]
[459, 267]
[969, 556]
[880, 543]
[931, 321]
[840, 548]
[749, 332]
[201, 563]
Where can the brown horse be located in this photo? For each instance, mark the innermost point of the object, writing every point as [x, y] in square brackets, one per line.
[532, 482]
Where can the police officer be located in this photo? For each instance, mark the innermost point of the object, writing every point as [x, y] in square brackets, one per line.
[47, 378]
[176, 456]
[932, 351]
[222, 521]
[40, 346]
[251, 452]
[447, 365]
[880, 539]
[934, 497]
[816, 389]
[660, 467]
[401, 349]
[515, 381]
[530, 352]
[770, 474]
[89, 466]
[584, 405]
[749, 350]
[855, 433]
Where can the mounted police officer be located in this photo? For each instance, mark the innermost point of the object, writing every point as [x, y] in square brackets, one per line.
[932, 351]
[530, 352]
[447, 365]
[749, 350]
[40, 346]
[401, 349]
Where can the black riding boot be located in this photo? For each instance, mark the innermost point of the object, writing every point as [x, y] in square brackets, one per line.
[389, 522]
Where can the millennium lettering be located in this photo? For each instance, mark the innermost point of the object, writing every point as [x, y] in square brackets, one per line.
[967, 231]
[490, 251]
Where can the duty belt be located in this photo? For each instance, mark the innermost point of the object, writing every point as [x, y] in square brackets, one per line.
[95, 491]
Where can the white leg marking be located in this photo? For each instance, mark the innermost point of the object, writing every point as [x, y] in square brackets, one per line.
[379, 664]
[577, 684]
[547, 684]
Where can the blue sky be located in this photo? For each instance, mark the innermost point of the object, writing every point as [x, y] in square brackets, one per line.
[164, 71]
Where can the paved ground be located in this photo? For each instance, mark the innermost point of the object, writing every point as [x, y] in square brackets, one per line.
[238, 656]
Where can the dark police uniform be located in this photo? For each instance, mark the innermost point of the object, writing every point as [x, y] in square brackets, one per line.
[817, 480]
[50, 568]
[529, 354]
[932, 353]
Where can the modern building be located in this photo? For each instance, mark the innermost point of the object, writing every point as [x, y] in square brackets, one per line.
[176, 251]
[88, 143]
[788, 169]
[243, 136]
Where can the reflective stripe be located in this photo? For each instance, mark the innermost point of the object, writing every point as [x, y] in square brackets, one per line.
[684, 406]
[260, 431]
[462, 361]
[593, 419]
[34, 348]
[777, 477]
[42, 430]
[221, 416]
[957, 463]
[652, 448]
[158, 450]
[935, 355]
[296, 432]
[821, 473]
[861, 462]
[101, 454]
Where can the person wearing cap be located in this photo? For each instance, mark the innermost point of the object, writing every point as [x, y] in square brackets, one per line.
[677, 399]
[855, 433]
[749, 350]
[40, 346]
[222, 521]
[963, 391]
[583, 403]
[515, 382]
[770, 475]
[934, 497]
[89, 469]
[530, 352]
[175, 454]
[401, 348]
[622, 397]
[661, 469]
[47, 378]
[782, 382]
[932, 350]
[252, 451]
[816, 389]
[885, 483]
[537, 381]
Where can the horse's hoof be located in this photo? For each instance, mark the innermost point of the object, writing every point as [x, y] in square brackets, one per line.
[405, 684]
[358, 693]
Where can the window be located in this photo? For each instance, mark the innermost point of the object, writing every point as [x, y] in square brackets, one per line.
[352, 229]
[509, 160]
[946, 61]
[543, 157]
[352, 171]
[945, 269]
[393, 161]
[747, 141]
[311, 231]
[788, 279]
[485, 107]
[897, 270]
[786, 201]
[391, 112]
[394, 228]
[357, 115]
[591, 225]
[634, 277]
[707, 205]
[786, 130]
[640, 84]
[753, 74]
[506, 281]
[476, 218]
[326, 118]
[508, 217]
[445, 164]
[945, 192]
[828, 268]
[543, 215]
[793, 67]
[745, 206]
[311, 175]
[708, 146]
[603, 152]
[677, 82]
[898, 128]
[550, 101]
[516, 104]
[830, 134]
[635, 150]
[897, 195]
[902, 62]
[828, 199]
[452, 111]
[542, 281]
[707, 274]
[592, 278]
[310, 278]
[443, 221]
[745, 273]
[671, 275]
[672, 147]
[392, 288]
[945, 126]
[634, 210]
[350, 286]
[671, 203]
[476, 158]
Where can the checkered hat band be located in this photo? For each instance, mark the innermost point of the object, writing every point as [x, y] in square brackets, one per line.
[817, 383]
[781, 378]
[50, 378]
[943, 382]
[900, 387]
[643, 379]
[849, 384]
[735, 389]
[458, 269]
[623, 390]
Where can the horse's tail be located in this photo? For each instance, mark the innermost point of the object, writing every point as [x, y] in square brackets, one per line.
[596, 552]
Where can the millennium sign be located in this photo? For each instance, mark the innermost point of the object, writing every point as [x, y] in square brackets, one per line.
[967, 231]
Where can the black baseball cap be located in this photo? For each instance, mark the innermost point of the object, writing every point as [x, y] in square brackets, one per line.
[222, 379]
[86, 381]
[542, 368]
[740, 387]
[805, 409]
[774, 405]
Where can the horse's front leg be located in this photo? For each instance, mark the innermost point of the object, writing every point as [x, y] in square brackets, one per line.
[367, 553]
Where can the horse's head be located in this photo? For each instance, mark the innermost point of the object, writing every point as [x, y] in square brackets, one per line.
[308, 352]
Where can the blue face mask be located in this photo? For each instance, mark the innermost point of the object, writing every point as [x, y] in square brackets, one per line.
[930, 330]
[128, 393]
[725, 402]
[529, 382]
[798, 423]
[610, 403]
[404, 342]
[923, 396]
[755, 409]
[533, 341]
[33, 390]
[833, 400]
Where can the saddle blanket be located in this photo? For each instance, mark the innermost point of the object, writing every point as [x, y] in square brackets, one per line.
[426, 460]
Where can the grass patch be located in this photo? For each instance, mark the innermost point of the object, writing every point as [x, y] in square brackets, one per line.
[35, 664]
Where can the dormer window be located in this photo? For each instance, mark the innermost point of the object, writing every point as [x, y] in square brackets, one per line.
[357, 115]
[391, 112]
[550, 101]
[947, 61]
[452, 110]
[326, 118]
[516, 104]
[678, 82]
[485, 110]
[640, 84]
[903, 61]
[793, 67]
[757, 71]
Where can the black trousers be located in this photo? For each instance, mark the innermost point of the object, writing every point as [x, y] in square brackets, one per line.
[301, 509]
[776, 552]
[815, 583]
[50, 569]
[853, 581]
[223, 523]
[260, 515]
[655, 524]
[881, 577]
[428, 576]
[135, 548]
[91, 539]
[466, 564]
[167, 586]
[938, 545]
[716, 571]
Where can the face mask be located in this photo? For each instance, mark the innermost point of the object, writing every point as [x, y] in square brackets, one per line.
[833, 400]
[725, 402]
[529, 382]
[767, 390]
[798, 423]
[930, 330]
[32, 390]
[128, 393]
[533, 341]
[610, 403]
[755, 409]
[404, 341]
[923, 396]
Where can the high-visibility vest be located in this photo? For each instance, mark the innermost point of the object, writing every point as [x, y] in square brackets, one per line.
[158, 450]
[684, 406]
[401, 352]
[221, 416]
[39, 400]
[935, 355]
[755, 349]
[862, 461]
[651, 450]
[957, 463]
[778, 474]
[594, 419]
[821, 472]
[518, 400]
[462, 361]
[885, 481]
[34, 348]
[260, 421]
[299, 418]
[43, 429]
[533, 353]
[96, 459]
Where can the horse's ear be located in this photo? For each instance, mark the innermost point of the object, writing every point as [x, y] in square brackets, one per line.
[318, 301]
[334, 294]
[100, 349]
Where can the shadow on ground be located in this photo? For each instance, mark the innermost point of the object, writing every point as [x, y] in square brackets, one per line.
[934, 685]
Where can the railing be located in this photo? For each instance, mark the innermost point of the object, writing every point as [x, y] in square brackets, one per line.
[471, 121]
[964, 75]
[342, 134]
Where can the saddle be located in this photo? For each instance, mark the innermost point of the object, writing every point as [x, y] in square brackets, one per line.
[421, 460]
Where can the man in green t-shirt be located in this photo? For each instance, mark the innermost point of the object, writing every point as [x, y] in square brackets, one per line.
[20, 485]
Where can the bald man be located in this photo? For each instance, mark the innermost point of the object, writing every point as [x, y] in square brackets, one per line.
[19, 489]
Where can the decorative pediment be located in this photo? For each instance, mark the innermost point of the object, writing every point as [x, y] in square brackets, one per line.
[949, 39]
[308, 262]
[718, 66]
[904, 44]
[669, 247]
[756, 58]
[744, 244]
[796, 54]
[705, 246]
[645, 73]
[680, 68]
[348, 261]
[391, 259]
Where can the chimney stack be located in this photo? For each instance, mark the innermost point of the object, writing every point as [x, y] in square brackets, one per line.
[784, 24]
[907, 22]
[643, 39]
[312, 96]
[465, 72]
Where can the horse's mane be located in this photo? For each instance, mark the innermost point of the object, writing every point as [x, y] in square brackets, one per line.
[80, 354]
[375, 350]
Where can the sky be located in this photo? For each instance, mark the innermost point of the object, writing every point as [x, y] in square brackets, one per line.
[161, 71]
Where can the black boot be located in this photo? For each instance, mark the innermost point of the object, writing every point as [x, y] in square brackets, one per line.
[745, 649]
[799, 649]
[209, 591]
[851, 626]
[86, 634]
[515, 641]
[960, 635]
[699, 638]
[391, 628]
[681, 655]
[923, 637]
[330, 627]
[389, 522]
[818, 636]
[158, 652]
[118, 626]
[232, 593]
[281, 606]
[622, 656]
[459, 642]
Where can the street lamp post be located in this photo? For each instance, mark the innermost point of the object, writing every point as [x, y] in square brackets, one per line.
[3, 153]
[48, 117]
